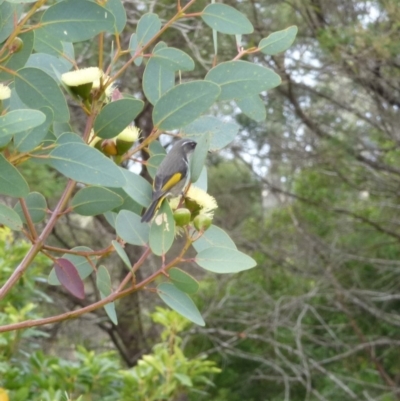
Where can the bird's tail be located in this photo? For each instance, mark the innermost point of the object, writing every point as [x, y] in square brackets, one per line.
[152, 209]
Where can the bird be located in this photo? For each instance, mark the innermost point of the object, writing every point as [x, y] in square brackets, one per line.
[171, 175]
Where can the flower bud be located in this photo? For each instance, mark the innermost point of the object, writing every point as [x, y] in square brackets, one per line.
[126, 139]
[182, 217]
[16, 45]
[108, 147]
[202, 222]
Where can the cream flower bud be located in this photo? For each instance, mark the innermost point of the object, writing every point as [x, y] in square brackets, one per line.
[82, 76]
[5, 92]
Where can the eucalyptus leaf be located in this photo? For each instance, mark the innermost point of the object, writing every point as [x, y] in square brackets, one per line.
[183, 281]
[36, 205]
[279, 41]
[180, 302]
[162, 230]
[173, 59]
[147, 27]
[214, 237]
[10, 218]
[129, 227]
[12, 182]
[253, 107]
[137, 188]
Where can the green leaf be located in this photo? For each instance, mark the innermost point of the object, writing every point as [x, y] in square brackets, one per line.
[137, 188]
[48, 63]
[19, 120]
[162, 230]
[226, 19]
[118, 10]
[83, 163]
[18, 60]
[214, 237]
[279, 41]
[133, 47]
[155, 148]
[76, 20]
[199, 156]
[12, 183]
[10, 218]
[239, 79]
[103, 283]
[111, 218]
[253, 107]
[183, 281]
[128, 202]
[91, 201]
[224, 260]
[153, 163]
[184, 103]
[122, 254]
[38, 89]
[222, 133]
[147, 27]
[46, 42]
[7, 14]
[30, 139]
[116, 116]
[157, 80]
[202, 180]
[180, 302]
[173, 59]
[81, 263]
[69, 137]
[129, 227]
[37, 207]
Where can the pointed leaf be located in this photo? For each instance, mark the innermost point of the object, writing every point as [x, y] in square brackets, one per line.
[83, 163]
[157, 80]
[69, 278]
[279, 41]
[184, 103]
[162, 230]
[122, 254]
[103, 281]
[12, 183]
[148, 26]
[37, 207]
[137, 188]
[81, 263]
[129, 227]
[110, 310]
[239, 79]
[10, 218]
[38, 89]
[222, 133]
[174, 59]
[183, 281]
[18, 60]
[226, 19]
[180, 302]
[214, 237]
[76, 20]
[224, 260]
[116, 116]
[253, 107]
[91, 201]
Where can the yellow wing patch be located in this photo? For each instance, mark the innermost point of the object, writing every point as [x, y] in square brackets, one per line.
[175, 178]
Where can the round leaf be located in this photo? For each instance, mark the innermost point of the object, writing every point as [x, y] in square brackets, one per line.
[76, 20]
[183, 281]
[214, 237]
[279, 41]
[147, 27]
[129, 227]
[37, 207]
[91, 201]
[224, 260]
[253, 107]
[180, 302]
[222, 133]
[239, 79]
[184, 103]
[157, 80]
[173, 59]
[12, 183]
[38, 89]
[10, 218]
[83, 163]
[137, 188]
[226, 19]
[118, 10]
[116, 116]
[162, 230]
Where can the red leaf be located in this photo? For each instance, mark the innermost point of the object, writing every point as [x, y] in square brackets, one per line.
[68, 276]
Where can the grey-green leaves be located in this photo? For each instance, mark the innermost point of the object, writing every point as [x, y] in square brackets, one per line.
[278, 41]
[226, 19]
